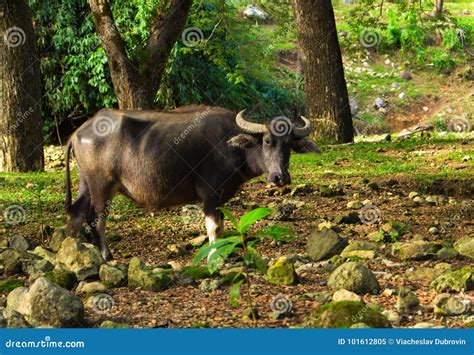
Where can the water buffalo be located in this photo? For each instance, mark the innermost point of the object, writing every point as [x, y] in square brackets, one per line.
[162, 159]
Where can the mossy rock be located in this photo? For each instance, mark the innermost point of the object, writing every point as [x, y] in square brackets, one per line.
[465, 247]
[345, 314]
[140, 275]
[455, 281]
[108, 324]
[354, 277]
[63, 278]
[9, 285]
[282, 272]
[195, 272]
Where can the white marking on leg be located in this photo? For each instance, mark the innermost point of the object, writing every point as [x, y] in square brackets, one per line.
[212, 228]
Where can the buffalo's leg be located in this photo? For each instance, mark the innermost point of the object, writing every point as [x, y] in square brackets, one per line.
[79, 210]
[101, 201]
[214, 222]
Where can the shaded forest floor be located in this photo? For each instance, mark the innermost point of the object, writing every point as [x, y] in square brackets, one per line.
[384, 173]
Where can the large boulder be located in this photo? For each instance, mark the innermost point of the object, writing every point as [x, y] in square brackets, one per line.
[83, 259]
[140, 275]
[46, 304]
[354, 277]
[455, 281]
[19, 243]
[324, 244]
[282, 272]
[344, 315]
[465, 247]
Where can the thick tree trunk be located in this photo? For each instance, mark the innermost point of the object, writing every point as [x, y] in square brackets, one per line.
[325, 85]
[438, 7]
[21, 136]
[136, 84]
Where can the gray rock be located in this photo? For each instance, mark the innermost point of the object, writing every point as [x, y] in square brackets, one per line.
[354, 277]
[46, 304]
[380, 103]
[465, 247]
[113, 276]
[81, 258]
[324, 244]
[19, 243]
[354, 106]
[344, 295]
[416, 250]
[13, 319]
[407, 302]
[45, 254]
[361, 249]
[451, 305]
[91, 287]
[446, 253]
[56, 239]
[12, 261]
[139, 275]
[209, 285]
[36, 268]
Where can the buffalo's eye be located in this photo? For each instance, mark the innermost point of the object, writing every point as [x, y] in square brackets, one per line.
[267, 141]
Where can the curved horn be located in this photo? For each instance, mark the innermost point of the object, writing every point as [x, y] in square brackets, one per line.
[249, 127]
[305, 130]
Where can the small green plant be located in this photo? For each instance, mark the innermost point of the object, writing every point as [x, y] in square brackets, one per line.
[241, 243]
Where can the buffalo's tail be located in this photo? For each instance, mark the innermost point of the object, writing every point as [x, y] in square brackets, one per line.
[68, 202]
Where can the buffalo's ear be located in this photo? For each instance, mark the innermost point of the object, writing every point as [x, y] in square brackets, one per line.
[304, 145]
[243, 141]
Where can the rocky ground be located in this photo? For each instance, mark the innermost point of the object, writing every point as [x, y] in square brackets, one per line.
[371, 250]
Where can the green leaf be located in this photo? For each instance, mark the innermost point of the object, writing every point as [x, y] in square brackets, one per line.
[230, 217]
[234, 294]
[221, 254]
[204, 251]
[257, 259]
[276, 232]
[251, 217]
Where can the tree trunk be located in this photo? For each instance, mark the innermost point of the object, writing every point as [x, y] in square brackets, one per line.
[438, 7]
[136, 83]
[21, 136]
[325, 86]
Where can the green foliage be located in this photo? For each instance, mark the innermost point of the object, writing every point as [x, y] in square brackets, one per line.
[241, 243]
[9, 285]
[405, 26]
[233, 67]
